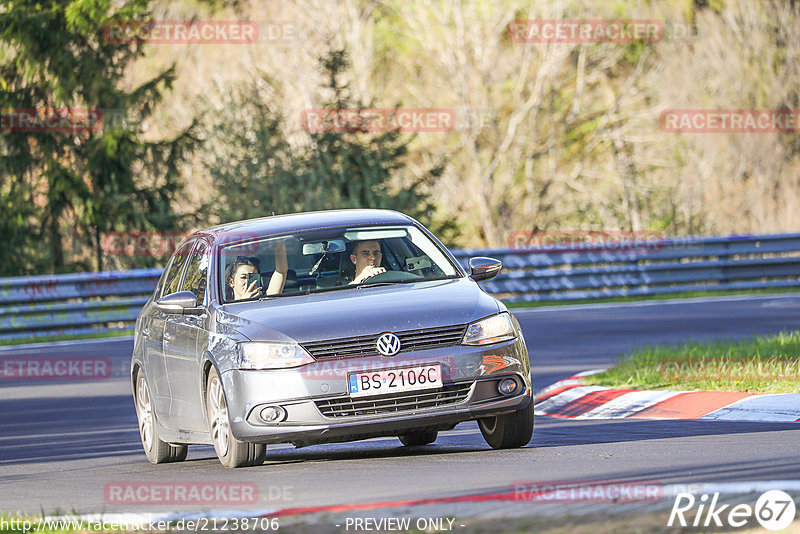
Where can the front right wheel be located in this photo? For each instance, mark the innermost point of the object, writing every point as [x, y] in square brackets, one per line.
[508, 431]
[230, 451]
[157, 451]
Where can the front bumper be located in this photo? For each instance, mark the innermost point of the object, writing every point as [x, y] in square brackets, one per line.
[470, 376]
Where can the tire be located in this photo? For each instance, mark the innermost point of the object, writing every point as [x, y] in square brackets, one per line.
[508, 431]
[230, 451]
[157, 451]
[415, 439]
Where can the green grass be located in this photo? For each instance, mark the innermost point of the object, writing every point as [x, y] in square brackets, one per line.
[66, 337]
[638, 298]
[763, 364]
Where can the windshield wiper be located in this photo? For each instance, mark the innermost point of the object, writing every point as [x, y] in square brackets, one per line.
[324, 290]
[304, 293]
[378, 284]
[412, 281]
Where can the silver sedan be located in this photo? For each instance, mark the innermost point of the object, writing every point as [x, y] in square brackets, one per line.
[324, 327]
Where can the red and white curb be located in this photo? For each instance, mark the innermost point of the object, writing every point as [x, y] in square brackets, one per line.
[571, 399]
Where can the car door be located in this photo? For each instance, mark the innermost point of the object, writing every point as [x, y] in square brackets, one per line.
[152, 338]
[181, 356]
[156, 367]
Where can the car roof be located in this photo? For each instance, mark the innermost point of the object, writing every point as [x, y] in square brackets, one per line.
[294, 222]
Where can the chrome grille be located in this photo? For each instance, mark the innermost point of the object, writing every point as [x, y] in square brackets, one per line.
[354, 347]
[399, 402]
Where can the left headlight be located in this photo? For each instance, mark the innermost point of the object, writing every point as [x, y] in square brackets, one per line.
[272, 355]
[493, 329]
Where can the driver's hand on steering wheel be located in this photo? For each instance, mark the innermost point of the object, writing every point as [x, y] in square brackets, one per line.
[368, 272]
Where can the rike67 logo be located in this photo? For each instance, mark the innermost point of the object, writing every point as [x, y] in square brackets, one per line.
[774, 510]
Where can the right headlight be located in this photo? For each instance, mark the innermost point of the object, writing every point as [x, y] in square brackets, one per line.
[259, 355]
[493, 329]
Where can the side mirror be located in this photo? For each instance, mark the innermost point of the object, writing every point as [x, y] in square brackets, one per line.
[482, 268]
[182, 303]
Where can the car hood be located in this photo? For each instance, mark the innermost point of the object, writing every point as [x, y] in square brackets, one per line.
[360, 311]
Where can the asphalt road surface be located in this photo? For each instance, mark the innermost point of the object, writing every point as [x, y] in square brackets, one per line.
[64, 444]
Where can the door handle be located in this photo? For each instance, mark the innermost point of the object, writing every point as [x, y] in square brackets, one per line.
[167, 337]
[146, 332]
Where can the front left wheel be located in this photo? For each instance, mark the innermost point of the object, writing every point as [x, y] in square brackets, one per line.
[157, 451]
[230, 451]
[508, 431]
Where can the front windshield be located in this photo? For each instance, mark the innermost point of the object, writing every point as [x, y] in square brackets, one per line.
[324, 260]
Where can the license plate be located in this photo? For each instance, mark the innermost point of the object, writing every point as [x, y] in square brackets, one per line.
[395, 380]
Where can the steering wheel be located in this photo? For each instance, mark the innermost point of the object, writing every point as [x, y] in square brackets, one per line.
[392, 276]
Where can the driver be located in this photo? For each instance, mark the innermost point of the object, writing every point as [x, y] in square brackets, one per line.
[366, 256]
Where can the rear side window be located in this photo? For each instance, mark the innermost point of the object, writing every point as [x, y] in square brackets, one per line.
[179, 260]
[197, 272]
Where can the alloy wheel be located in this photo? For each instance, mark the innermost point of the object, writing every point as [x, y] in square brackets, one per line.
[220, 430]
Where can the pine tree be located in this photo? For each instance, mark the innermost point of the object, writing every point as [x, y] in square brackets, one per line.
[258, 172]
[77, 183]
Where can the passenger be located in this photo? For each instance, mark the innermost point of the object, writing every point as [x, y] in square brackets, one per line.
[236, 275]
[366, 257]
[236, 278]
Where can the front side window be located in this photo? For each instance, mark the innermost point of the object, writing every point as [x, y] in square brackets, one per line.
[179, 259]
[323, 260]
[197, 272]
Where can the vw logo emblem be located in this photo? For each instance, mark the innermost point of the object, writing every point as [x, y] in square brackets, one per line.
[388, 344]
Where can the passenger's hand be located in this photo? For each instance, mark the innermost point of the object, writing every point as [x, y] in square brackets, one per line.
[251, 291]
[368, 272]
